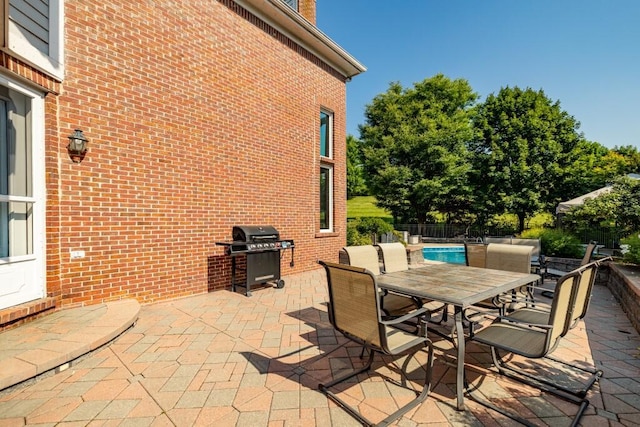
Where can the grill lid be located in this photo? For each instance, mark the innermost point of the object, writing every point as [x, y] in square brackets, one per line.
[253, 233]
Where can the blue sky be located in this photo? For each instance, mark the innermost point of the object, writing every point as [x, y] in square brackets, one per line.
[583, 53]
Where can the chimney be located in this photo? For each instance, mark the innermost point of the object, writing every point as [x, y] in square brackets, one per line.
[307, 8]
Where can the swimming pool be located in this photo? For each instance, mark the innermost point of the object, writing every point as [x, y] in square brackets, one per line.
[450, 254]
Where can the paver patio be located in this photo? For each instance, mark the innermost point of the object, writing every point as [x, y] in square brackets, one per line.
[227, 360]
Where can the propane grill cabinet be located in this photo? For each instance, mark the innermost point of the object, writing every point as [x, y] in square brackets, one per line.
[262, 247]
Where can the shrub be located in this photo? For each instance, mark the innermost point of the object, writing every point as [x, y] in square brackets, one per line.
[558, 243]
[360, 231]
[506, 223]
[354, 237]
[532, 233]
[631, 248]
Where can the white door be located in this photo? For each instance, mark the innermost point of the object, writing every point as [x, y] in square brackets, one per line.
[22, 273]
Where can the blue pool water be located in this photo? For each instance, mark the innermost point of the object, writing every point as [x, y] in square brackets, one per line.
[450, 254]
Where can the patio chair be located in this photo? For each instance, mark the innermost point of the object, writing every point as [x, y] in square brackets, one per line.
[500, 256]
[393, 305]
[536, 254]
[475, 254]
[514, 258]
[586, 259]
[533, 341]
[394, 258]
[354, 311]
[553, 272]
[587, 277]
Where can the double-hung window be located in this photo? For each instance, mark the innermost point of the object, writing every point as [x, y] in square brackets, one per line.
[326, 171]
[33, 31]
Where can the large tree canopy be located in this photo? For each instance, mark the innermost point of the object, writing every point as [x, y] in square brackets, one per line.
[524, 145]
[356, 185]
[414, 147]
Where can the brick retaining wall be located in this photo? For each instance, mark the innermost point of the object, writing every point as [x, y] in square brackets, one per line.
[624, 284]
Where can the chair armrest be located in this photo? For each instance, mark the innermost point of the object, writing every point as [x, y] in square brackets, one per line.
[415, 313]
[522, 324]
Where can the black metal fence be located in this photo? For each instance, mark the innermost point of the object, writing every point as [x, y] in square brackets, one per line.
[607, 238]
[452, 232]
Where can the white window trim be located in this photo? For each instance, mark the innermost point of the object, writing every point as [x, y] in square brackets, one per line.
[330, 201]
[38, 177]
[52, 64]
[330, 131]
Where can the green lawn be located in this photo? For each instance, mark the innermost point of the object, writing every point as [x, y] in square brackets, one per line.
[365, 206]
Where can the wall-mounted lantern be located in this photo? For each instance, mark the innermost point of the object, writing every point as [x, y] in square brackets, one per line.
[77, 147]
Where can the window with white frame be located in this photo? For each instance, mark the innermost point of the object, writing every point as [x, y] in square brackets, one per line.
[326, 198]
[326, 170]
[34, 33]
[326, 134]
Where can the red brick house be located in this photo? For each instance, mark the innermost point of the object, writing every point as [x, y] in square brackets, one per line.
[199, 115]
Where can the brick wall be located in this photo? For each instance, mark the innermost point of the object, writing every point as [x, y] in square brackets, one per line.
[199, 117]
[307, 8]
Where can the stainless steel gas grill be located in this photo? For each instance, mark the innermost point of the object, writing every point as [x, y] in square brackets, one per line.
[262, 247]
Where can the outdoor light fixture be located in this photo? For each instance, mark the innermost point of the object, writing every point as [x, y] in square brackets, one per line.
[77, 146]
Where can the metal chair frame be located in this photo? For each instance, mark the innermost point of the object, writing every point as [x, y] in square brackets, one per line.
[354, 311]
[534, 341]
[587, 277]
[394, 258]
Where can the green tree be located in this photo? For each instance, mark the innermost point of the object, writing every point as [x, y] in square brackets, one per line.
[524, 144]
[631, 159]
[617, 210]
[588, 166]
[629, 212]
[356, 185]
[414, 147]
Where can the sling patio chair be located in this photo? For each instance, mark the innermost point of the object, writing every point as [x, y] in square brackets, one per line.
[538, 315]
[532, 341]
[393, 305]
[499, 256]
[475, 254]
[554, 272]
[514, 258]
[586, 259]
[394, 258]
[536, 254]
[354, 311]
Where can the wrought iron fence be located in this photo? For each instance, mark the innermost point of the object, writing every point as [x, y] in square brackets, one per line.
[452, 232]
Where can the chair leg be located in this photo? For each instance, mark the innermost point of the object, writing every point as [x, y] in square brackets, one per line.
[324, 388]
[507, 370]
[543, 384]
[420, 397]
[596, 374]
[582, 403]
[443, 318]
[426, 389]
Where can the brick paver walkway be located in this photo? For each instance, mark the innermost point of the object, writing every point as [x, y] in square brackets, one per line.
[227, 360]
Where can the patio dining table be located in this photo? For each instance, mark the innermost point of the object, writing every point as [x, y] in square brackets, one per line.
[458, 285]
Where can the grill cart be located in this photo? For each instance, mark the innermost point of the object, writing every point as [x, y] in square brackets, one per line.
[262, 247]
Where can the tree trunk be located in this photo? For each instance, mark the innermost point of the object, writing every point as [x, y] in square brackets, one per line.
[521, 218]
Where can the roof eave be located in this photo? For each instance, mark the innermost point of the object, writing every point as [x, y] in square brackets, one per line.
[294, 26]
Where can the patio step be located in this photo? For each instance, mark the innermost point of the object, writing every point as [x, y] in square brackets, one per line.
[53, 341]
